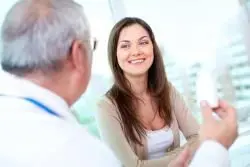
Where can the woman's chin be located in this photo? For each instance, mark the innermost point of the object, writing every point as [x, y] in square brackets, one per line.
[138, 73]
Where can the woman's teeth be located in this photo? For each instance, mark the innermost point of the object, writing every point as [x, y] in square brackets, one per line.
[137, 61]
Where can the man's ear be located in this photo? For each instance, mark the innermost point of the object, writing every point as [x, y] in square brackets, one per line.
[79, 56]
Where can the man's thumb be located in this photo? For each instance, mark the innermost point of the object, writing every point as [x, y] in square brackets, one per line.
[206, 110]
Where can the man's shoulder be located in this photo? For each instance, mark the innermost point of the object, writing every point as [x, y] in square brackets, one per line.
[98, 149]
[80, 148]
[84, 149]
[56, 144]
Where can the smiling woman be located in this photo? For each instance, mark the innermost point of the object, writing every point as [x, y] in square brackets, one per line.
[134, 48]
[141, 115]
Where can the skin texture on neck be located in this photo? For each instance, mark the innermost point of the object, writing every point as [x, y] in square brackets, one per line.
[139, 84]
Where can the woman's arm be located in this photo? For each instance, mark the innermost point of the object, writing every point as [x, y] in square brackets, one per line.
[187, 123]
[112, 134]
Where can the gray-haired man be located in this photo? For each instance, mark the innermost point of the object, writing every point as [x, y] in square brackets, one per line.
[47, 64]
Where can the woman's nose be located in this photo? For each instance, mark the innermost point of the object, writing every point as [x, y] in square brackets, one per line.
[135, 50]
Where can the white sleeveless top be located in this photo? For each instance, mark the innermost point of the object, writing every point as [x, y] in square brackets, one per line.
[158, 142]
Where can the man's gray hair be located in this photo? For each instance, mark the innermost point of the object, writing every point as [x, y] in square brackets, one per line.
[38, 34]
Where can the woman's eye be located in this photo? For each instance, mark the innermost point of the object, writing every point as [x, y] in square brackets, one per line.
[124, 46]
[143, 42]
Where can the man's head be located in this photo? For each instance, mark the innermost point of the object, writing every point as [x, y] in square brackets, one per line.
[48, 42]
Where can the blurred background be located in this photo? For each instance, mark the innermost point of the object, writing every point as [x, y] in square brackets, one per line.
[191, 34]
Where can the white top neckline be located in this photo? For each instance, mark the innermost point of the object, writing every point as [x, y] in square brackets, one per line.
[157, 130]
[158, 142]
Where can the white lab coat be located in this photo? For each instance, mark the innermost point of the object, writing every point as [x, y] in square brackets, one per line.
[30, 137]
[211, 154]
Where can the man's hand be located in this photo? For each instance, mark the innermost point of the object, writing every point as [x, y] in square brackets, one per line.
[223, 129]
[182, 159]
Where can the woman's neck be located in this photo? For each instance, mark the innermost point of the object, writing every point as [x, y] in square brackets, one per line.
[139, 85]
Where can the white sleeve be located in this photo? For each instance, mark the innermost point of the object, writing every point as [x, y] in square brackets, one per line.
[211, 154]
[80, 151]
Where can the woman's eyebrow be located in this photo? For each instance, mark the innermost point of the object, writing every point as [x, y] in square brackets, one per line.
[124, 41]
[145, 36]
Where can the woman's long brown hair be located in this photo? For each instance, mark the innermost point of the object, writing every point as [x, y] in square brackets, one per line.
[121, 94]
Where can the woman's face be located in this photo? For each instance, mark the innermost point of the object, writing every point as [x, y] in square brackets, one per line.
[135, 53]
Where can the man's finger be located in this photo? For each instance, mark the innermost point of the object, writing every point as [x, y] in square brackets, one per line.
[225, 106]
[221, 113]
[228, 110]
[206, 111]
